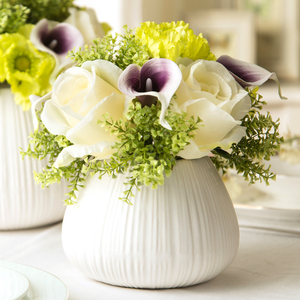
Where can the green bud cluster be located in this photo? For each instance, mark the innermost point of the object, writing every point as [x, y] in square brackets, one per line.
[145, 149]
[15, 13]
[262, 141]
[147, 152]
[12, 16]
[120, 49]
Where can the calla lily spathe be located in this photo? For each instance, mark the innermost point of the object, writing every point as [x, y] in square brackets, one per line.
[158, 79]
[56, 39]
[247, 74]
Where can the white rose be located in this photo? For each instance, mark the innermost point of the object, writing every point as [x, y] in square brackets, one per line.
[87, 23]
[210, 92]
[80, 97]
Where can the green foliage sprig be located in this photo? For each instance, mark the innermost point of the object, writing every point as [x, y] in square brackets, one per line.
[262, 141]
[12, 16]
[43, 144]
[145, 150]
[121, 49]
[14, 13]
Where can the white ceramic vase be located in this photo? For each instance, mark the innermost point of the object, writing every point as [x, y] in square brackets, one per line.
[23, 204]
[183, 233]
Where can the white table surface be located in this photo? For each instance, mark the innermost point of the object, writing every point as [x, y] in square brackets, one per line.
[267, 266]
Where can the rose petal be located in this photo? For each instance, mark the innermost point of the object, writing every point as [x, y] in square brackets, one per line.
[165, 76]
[198, 82]
[88, 128]
[54, 120]
[106, 70]
[214, 119]
[36, 104]
[247, 74]
[100, 150]
[234, 136]
[192, 151]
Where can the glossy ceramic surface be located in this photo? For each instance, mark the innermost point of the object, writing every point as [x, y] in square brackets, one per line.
[23, 203]
[44, 286]
[183, 233]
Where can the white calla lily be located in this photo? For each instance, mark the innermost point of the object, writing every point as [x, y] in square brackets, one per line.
[247, 74]
[157, 79]
[56, 39]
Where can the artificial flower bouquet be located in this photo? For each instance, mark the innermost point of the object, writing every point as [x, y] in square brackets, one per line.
[35, 37]
[136, 103]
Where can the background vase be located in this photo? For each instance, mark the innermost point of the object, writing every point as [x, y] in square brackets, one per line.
[23, 204]
[183, 233]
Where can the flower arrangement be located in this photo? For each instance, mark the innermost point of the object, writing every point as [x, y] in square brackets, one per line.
[136, 103]
[35, 37]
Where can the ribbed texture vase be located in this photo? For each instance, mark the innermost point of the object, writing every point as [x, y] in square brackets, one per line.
[23, 204]
[183, 233]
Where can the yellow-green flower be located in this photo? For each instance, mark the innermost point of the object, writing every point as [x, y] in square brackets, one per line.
[26, 69]
[22, 101]
[173, 40]
[46, 66]
[25, 30]
[2, 74]
[6, 41]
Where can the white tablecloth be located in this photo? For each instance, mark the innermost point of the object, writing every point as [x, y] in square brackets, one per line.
[267, 266]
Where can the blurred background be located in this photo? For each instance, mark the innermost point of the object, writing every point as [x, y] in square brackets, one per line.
[265, 32]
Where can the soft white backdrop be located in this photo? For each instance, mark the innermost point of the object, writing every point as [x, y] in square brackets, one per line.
[132, 12]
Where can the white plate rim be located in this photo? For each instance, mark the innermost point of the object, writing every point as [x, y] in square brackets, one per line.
[27, 292]
[7, 264]
[266, 208]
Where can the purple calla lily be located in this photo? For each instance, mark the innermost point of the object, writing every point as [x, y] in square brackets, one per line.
[158, 79]
[56, 39]
[247, 74]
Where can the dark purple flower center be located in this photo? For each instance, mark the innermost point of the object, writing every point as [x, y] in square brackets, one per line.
[58, 39]
[158, 76]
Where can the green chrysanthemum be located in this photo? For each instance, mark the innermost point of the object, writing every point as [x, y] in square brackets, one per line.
[173, 40]
[26, 69]
[6, 41]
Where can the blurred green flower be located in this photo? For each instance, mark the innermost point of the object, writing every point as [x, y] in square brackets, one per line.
[12, 16]
[25, 68]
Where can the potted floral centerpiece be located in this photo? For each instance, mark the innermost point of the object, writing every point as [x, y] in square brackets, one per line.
[152, 114]
[35, 37]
